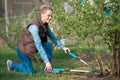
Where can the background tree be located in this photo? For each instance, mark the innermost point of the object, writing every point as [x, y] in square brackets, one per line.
[94, 22]
[111, 33]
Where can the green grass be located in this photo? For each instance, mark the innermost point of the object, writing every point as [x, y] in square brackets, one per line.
[60, 60]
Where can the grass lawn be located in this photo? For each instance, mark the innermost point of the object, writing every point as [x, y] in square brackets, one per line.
[60, 60]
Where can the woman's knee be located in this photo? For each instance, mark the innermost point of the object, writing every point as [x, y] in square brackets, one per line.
[29, 71]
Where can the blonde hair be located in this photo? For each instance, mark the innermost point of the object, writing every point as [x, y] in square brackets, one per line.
[45, 7]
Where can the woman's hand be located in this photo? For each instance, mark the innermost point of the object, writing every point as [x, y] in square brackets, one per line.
[48, 66]
[66, 49]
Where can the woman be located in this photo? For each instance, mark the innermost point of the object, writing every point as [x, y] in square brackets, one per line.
[34, 39]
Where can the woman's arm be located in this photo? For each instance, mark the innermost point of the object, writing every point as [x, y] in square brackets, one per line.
[54, 38]
[35, 34]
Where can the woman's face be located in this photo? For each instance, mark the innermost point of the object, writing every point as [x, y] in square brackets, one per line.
[46, 16]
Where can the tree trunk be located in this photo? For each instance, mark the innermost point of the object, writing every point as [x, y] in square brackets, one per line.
[119, 54]
[114, 52]
[119, 62]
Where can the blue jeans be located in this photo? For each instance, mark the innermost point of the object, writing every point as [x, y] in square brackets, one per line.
[26, 63]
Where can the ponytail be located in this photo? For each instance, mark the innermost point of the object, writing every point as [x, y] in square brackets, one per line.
[45, 7]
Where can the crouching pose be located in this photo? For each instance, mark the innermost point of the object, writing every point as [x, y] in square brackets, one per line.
[33, 40]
